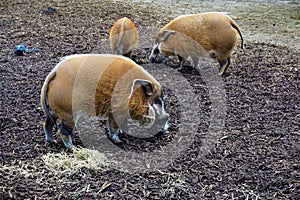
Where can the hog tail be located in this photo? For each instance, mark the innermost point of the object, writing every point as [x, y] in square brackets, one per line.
[44, 101]
[236, 27]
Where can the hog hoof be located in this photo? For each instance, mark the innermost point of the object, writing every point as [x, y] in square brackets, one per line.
[116, 139]
[50, 139]
[67, 140]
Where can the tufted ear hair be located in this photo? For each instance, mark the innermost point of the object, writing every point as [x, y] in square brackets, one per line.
[165, 35]
[146, 85]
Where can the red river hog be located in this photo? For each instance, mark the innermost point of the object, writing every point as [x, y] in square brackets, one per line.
[97, 85]
[193, 36]
[123, 37]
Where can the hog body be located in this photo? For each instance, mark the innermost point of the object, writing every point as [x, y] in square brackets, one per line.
[123, 37]
[100, 85]
[198, 35]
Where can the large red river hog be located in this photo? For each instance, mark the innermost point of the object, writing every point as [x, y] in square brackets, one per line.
[101, 85]
[193, 36]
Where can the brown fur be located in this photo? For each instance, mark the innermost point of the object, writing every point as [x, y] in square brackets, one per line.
[201, 34]
[98, 85]
[123, 37]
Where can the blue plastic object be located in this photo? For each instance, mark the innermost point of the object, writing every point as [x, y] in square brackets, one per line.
[49, 10]
[21, 49]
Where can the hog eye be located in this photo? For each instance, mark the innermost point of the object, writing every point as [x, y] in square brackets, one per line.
[156, 51]
[158, 101]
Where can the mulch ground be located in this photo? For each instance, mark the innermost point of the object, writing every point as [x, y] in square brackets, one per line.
[257, 155]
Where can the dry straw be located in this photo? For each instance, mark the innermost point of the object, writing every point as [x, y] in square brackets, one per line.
[80, 158]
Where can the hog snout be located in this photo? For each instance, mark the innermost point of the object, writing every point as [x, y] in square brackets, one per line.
[162, 117]
[152, 58]
[155, 56]
[165, 128]
[166, 124]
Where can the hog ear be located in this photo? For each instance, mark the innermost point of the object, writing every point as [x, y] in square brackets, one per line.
[165, 35]
[146, 85]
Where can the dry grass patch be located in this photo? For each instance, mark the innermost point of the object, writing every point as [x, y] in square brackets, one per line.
[71, 163]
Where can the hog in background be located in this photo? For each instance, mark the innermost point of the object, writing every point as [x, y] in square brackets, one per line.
[193, 36]
[123, 37]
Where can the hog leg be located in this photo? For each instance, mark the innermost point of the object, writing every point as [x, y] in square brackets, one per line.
[127, 54]
[181, 62]
[195, 61]
[48, 126]
[224, 65]
[65, 134]
[228, 63]
[114, 130]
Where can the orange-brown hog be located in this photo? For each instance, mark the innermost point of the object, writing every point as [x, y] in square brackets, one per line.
[198, 35]
[101, 85]
[123, 37]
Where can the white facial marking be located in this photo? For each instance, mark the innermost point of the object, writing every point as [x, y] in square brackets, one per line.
[159, 47]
